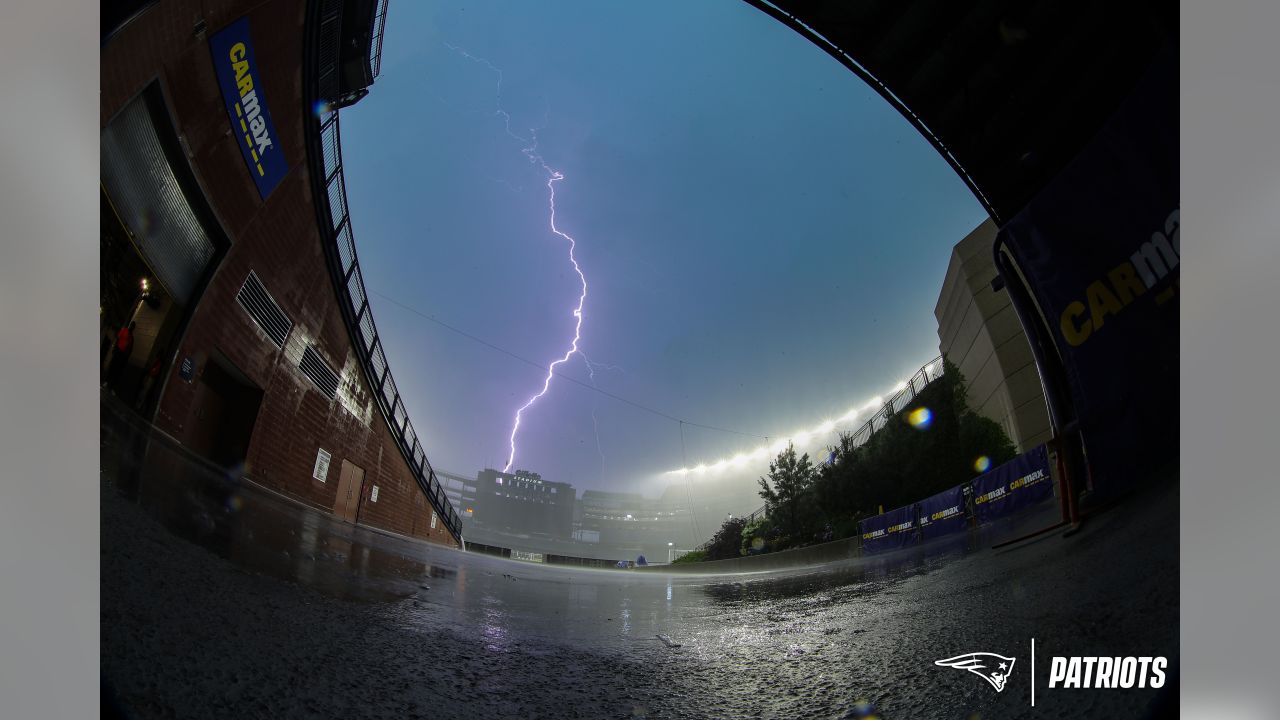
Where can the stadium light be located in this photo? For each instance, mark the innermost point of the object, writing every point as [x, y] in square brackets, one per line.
[801, 437]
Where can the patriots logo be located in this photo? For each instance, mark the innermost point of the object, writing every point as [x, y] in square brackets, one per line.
[991, 667]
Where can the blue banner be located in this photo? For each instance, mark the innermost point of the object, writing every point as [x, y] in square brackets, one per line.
[1017, 484]
[242, 92]
[1100, 249]
[888, 531]
[943, 513]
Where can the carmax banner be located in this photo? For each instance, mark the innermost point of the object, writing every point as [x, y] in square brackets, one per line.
[1019, 483]
[943, 513]
[251, 124]
[1101, 252]
[888, 531]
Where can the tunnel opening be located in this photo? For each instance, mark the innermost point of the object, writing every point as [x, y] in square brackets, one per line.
[224, 413]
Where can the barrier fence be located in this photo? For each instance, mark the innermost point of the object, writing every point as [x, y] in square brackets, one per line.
[1004, 490]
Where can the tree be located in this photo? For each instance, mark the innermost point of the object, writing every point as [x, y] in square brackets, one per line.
[785, 502]
[983, 436]
[727, 540]
[752, 531]
[900, 463]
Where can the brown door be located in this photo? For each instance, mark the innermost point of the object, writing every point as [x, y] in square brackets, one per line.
[350, 485]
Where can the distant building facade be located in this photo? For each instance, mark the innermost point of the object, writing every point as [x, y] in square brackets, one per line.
[979, 332]
[460, 490]
[522, 503]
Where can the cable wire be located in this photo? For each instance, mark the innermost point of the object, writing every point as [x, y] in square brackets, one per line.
[540, 366]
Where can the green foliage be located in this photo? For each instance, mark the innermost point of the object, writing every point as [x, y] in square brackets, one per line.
[725, 543]
[898, 465]
[845, 527]
[692, 556]
[788, 503]
[755, 529]
[984, 436]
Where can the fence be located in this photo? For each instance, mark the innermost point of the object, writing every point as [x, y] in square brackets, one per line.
[345, 268]
[898, 402]
[375, 45]
[1020, 483]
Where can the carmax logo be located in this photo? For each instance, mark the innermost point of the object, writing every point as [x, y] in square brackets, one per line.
[253, 126]
[1149, 264]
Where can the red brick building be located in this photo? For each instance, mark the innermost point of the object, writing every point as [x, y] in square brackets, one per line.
[227, 245]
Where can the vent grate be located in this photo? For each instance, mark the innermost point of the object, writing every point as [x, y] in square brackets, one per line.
[315, 368]
[256, 301]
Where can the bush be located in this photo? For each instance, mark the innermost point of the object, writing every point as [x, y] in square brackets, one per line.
[692, 556]
[724, 544]
[757, 529]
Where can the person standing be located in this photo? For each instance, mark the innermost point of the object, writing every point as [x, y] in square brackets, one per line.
[120, 353]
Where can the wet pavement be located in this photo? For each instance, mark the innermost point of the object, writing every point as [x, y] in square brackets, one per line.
[222, 600]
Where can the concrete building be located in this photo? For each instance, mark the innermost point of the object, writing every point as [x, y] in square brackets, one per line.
[979, 332]
[461, 491]
[227, 244]
[523, 504]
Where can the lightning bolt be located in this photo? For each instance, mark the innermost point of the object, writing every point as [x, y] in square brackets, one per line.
[595, 422]
[553, 176]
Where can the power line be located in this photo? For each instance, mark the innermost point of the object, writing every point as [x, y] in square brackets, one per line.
[540, 366]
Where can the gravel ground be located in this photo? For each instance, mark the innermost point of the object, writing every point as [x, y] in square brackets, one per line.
[243, 605]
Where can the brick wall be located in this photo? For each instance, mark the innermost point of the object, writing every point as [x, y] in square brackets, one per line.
[278, 240]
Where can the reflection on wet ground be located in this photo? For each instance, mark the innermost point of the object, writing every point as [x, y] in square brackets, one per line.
[293, 595]
[252, 527]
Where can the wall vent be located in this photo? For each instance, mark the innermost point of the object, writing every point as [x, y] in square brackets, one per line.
[256, 301]
[314, 367]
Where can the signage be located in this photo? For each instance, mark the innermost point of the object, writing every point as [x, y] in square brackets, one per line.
[321, 470]
[1101, 251]
[889, 531]
[373, 496]
[242, 93]
[1019, 483]
[187, 370]
[943, 513]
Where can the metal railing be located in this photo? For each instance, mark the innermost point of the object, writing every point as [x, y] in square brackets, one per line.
[328, 35]
[365, 332]
[929, 372]
[375, 41]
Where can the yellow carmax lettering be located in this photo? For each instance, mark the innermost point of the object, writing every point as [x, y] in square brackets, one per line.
[237, 52]
[1102, 302]
[1124, 278]
[1075, 335]
[244, 80]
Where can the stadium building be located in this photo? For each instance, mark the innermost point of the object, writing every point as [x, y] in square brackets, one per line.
[233, 311]
[979, 331]
[523, 504]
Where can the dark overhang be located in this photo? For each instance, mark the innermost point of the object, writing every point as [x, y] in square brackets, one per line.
[351, 31]
[1008, 91]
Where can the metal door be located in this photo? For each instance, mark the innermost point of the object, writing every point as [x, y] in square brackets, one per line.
[350, 486]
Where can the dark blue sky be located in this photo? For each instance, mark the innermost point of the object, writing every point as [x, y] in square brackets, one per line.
[763, 236]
